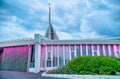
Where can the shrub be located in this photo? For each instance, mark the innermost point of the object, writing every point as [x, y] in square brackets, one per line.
[62, 70]
[101, 65]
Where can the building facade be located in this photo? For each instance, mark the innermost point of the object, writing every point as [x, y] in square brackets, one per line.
[48, 52]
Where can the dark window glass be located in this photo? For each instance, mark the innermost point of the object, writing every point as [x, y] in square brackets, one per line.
[72, 47]
[112, 50]
[61, 56]
[106, 50]
[72, 55]
[78, 51]
[32, 64]
[101, 51]
[55, 56]
[66, 54]
[89, 51]
[84, 50]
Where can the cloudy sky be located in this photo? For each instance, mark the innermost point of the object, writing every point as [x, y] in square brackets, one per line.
[72, 19]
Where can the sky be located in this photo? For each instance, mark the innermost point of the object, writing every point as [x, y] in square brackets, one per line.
[72, 19]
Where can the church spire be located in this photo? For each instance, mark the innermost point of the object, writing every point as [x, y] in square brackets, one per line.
[50, 33]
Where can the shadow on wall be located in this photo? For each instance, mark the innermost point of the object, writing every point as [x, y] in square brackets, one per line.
[15, 58]
[1, 53]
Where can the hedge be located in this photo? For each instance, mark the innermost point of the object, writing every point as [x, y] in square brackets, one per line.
[98, 65]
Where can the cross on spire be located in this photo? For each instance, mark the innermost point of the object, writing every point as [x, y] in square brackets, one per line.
[50, 33]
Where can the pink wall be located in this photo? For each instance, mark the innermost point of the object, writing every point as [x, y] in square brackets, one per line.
[15, 58]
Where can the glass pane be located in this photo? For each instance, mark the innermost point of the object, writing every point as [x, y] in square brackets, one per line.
[78, 51]
[112, 50]
[48, 63]
[72, 47]
[60, 55]
[32, 64]
[95, 50]
[72, 55]
[84, 50]
[89, 50]
[49, 55]
[100, 49]
[106, 50]
[55, 56]
[43, 56]
[66, 54]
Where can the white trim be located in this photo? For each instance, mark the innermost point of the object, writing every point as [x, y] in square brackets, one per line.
[92, 49]
[75, 54]
[63, 54]
[86, 48]
[81, 50]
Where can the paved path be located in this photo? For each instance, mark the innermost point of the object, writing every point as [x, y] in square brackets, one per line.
[22, 75]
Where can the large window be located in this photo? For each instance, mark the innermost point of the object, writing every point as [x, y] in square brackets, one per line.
[106, 50]
[112, 50]
[60, 55]
[55, 56]
[72, 51]
[100, 49]
[89, 50]
[49, 58]
[32, 64]
[78, 51]
[95, 50]
[66, 54]
[43, 56]
[84, 50]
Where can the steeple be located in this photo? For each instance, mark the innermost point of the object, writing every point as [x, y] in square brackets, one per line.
[50, 33]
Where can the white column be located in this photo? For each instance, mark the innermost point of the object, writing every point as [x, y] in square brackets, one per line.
[37, 52]
[109, 51]
[63, 55]
[46, 56]
[103, 49]
[92, 50]
[81, 50]
[98, 50]
[37, 57]
[51, 55]
[29, 57]
[86, 49]
[75, 50]
[58, 54]
[115, 50]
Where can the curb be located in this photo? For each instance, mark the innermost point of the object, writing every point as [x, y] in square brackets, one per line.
[72, 76]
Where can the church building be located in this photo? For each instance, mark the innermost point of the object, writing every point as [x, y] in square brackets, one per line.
[49, 52]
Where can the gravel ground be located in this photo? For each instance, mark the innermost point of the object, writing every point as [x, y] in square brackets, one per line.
[22, 75]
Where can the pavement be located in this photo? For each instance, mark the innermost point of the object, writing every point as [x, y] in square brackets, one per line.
[23, 75]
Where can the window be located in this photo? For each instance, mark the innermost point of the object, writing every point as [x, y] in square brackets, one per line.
[84, 50]
[112, 50]
[95, 50]
[78, 51]
[32, 64]
[48, 59]
[43, 56]
[60, 55]
[66, 54]
[106, 50]
[89, 50]
[72, 55]
[100, 49]
[49, 56]
[55, 56]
